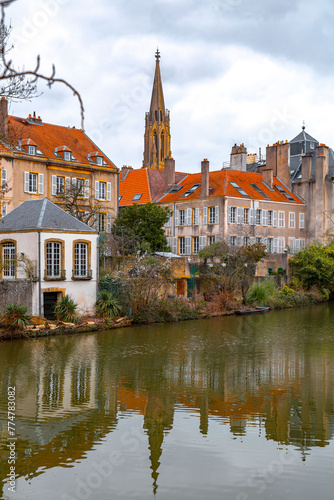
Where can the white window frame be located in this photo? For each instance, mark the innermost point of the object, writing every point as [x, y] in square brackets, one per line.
[8, 251]
[33, 182]
[196, 216]
[3, 179]
[182, 217]
[258, 217]
[195, 245]
[211, 239]
[246, 215]
[232, 215]
[80, 260]
[281, 218]
[67, 155]
[53, 259]
[182, 245]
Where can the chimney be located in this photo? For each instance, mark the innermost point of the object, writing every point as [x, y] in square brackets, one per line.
[321, 166]
[169, 175]
[3, 118]
[205, 178]
[268, 177]
[278, 159]
[124, 172]
[306, 167]
[238, 157]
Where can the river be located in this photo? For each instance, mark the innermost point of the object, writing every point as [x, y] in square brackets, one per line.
[233, 408]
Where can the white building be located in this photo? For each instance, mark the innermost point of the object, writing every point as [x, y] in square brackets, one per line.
[55, 252]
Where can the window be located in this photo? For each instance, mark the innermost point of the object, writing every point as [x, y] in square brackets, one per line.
[233, 241]
[169, 222]
[202, 242]
[80, 260]
[246, 215]
[182, 245]
[232, 215]
[182, 215]
[196, 216]
[33, 182]
[270, 245]
[102, 190]
[258, 217]
[212, 240]
[195, 244]
[213, 215]
[60, 185]
[238, 188]
[291, 220]
[3, 186]
[281, 222]
[53, 269]
[269, 218]
[101, 222]
[301, 221]
[258, 240]
[137, 197]
[246, 240]
[31, 150]
[8, 260]
[99, 160]
[67, 155]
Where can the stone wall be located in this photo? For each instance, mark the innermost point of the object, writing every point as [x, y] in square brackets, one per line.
[16, 292]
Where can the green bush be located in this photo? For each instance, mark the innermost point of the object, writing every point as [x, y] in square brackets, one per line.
[261, 293]
[14, 318]
[65, 309]
[287, 291]
[106, 305]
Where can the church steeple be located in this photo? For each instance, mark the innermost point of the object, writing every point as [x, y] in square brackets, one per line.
[157, 125]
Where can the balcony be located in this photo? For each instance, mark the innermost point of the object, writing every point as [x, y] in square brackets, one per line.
[54, 274]
[82, 274]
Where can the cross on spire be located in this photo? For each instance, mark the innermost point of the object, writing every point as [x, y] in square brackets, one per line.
[157, 55]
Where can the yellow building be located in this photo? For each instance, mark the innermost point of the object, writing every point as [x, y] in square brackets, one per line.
[41, 160]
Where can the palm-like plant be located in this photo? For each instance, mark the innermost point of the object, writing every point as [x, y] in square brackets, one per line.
[65, 309]
[14, 317]
[107, 306]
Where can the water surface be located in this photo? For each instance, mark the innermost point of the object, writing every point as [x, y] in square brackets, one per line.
[233, 408]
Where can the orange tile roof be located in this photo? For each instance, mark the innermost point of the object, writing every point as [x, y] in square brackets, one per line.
[47, 137]
[220, 181]
[135, 182]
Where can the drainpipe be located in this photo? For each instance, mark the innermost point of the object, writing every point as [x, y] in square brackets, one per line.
[97, 267]
[39, 276]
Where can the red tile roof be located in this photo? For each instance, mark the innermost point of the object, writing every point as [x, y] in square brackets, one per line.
[47, 137]
[220, 181]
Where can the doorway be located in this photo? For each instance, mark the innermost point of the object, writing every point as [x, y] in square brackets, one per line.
[50, 299]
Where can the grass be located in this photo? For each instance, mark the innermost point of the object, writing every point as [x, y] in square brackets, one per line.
[261, 293]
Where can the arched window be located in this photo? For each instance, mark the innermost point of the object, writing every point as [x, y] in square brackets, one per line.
[156, 115]
[155, 141]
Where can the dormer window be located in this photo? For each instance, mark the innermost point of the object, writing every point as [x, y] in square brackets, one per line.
[96, 157]
[29, 146]
[64, 152]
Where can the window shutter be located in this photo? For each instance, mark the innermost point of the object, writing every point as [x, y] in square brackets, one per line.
[67, 186]
[202, 242]
[297, 245]
[240, 215]
[74, 181]
[96, 190]
[175, 245]
[169, 222]
[188, 245]
[239, 241]
[176, 217]
[301, 221]
[230, 215]
[217, 238]
[86, 188]
[291, 244]
[217, 215]
[251, 216]
[264, 217]
[302, 242]
[205, 215]
[3, 178]
[3, 210]
[280, 245]
[252, 240]
[108, 191]
[40, 183]
[196, 217]
[108, 223]
[26, 182]
[275, 218]
[169, 241]
[189, 217]
[54, 185]
[275, 247]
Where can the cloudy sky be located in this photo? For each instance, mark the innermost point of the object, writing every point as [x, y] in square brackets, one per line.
[233, 71]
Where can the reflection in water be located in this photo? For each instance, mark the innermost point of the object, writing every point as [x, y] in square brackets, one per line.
[271, 372]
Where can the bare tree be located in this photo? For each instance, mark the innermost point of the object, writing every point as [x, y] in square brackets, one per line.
[20, 83]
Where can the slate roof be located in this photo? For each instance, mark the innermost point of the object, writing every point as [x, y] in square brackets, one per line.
[41, 215]
[47, 137]
[220, 184]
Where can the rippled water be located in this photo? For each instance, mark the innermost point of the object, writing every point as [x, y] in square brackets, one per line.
[235, 408]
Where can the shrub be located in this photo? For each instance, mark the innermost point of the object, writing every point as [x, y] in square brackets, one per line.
[287, 291]
[15, 317]
[106, 305]
[261, 293]
[65, 309]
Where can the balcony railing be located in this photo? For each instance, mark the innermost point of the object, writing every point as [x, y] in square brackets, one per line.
[54, 274]
[81, 274]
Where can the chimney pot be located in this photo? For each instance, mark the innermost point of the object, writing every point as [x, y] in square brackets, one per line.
[205, 178]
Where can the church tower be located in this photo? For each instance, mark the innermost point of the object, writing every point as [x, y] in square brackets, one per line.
[157, 126]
